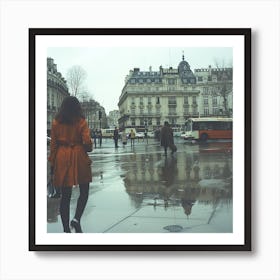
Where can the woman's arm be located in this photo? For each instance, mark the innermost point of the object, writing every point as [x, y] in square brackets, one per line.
[87, 142]
[53, 146]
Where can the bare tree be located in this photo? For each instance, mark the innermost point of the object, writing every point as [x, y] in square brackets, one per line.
[225, 87]
[84, 94]
[76, 76]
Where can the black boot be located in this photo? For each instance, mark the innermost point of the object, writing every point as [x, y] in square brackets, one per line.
[76, 225]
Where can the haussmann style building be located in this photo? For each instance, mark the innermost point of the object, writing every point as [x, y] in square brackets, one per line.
[171, 94]
[57, 90]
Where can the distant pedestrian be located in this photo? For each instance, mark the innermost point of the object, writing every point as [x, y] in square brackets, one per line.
[70, 164]
[132, 136]
[124, 138]
[116, 137]
[94, 136]
[99, 135]
[157, 134]
[166, 138]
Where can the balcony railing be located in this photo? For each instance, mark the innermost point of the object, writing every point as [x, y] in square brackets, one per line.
[139, 115]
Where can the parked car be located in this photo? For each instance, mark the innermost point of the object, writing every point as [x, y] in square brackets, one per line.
[140, 135]
[177, 133]
[183, 135]
[48, 140]
[151, 134]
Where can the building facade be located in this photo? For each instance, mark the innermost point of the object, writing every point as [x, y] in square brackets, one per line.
[57, 90]
[113, 118]
[171, 94]
[91, 109]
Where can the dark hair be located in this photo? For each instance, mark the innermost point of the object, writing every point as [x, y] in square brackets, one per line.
[69, 111]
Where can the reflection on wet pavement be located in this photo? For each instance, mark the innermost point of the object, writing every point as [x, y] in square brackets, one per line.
[138, 189]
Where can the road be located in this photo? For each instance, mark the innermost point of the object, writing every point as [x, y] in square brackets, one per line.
[140, 190]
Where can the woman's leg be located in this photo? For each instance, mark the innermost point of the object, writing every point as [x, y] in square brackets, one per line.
[82, 201]
[66, 193]
[81, 204]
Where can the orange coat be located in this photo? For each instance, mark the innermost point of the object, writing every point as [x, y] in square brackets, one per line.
[71, 164]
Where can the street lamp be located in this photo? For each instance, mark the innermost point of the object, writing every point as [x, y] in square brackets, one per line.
[100, 117]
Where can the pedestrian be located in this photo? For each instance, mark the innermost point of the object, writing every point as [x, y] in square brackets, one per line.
[166, 138]
[69, 161]
[93, 136]
[124, 138]
[116, 137]
[100, 137]
[132, 136]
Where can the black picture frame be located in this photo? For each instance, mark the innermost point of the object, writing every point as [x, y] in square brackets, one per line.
[33, 145]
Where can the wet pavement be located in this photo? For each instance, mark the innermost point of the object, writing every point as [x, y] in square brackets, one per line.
[140, 190]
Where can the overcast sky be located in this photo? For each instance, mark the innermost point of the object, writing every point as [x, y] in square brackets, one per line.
[107, 68]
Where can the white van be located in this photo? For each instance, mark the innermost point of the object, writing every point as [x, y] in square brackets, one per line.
[107, 132]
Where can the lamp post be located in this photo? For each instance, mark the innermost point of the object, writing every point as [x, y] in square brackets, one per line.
[100, 117]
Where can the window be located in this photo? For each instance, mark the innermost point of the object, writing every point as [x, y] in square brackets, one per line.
[214, 100]
[149, 100]
[141, 101]
[172, 111]
[186, 100]
[48, 102]
[212, 125]
[157, 100]
[157, 110]
[133, 101]
[158, 121]
[206, 111]
[173, 121]
[205, 100]
[171, 81]
[133, 121]
[215, 111]
[186, 110]
[52, 100]
[199, 79]
[172, 100]
[205, 90]
[194, 99]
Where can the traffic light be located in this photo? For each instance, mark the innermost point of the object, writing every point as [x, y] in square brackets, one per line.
[100, 115]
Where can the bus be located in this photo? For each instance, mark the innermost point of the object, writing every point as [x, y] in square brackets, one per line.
[107, 132]
[208, 128]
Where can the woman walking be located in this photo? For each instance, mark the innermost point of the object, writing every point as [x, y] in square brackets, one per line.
[70, 164]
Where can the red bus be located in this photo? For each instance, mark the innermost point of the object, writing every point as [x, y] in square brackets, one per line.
[208, 128]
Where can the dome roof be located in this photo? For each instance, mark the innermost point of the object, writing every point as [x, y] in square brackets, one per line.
[184, 65]
[185, 72]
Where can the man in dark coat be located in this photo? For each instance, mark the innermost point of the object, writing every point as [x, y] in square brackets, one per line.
[166, 138]
[116, 137]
